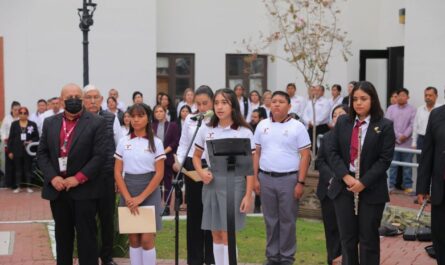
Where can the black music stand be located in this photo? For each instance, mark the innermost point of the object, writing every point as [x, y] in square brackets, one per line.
[229, 158]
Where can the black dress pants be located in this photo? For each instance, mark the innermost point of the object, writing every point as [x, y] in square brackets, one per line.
[23, 173]
[438, 233]
[361, 230]
[75, 216]
[333, 244]
[9, 172]
[105, 209]
[199, 242]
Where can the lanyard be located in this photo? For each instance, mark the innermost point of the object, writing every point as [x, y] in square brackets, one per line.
[67, 136]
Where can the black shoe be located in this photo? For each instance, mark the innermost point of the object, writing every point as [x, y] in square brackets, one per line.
[111, 262]
[257, 210]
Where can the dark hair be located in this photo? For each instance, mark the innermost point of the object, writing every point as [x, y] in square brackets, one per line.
[342, 106]
[204, 90]
[135, 93]
[53, 98]
[337, 86]
[376, 111]
[237, 86]
[162, 94]
[41, 100]
[180, 110]
[401, 90]
[255, 92]
[261, 113]
[15, 104]
[141, 109]
[112, 98]
[432, 88]
[322, 87]
[237, 117]
[394, 92]
[292, 85]
[354, 83]
[283, 94]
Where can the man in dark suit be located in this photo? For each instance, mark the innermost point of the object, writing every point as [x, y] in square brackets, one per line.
[243, 100]
[92, 100]
[432, 173]
[70, 154]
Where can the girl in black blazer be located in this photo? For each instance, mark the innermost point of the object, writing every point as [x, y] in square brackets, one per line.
[360, 232]
[22, 133]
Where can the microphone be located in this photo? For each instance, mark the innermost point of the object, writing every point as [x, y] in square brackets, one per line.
[202, 115]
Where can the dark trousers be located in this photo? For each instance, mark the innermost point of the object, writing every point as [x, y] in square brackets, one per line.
[105, 209]
[320, 129]
[75, 216]
[438, 233]
[9, 172]
[167, 182]
[358, 232]
[199, 242]
[23, 173]
[333, 244]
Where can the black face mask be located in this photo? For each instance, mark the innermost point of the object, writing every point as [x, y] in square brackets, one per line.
[73, 105]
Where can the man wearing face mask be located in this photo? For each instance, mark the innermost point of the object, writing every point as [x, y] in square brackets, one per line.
[92, 100]
[70, 155]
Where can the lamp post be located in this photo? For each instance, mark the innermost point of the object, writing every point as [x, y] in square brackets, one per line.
[86, 20]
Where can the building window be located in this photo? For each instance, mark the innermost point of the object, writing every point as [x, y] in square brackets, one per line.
[175, 73]
[248, 70]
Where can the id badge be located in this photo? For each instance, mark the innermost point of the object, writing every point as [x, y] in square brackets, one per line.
[23, 136]
[63, 161]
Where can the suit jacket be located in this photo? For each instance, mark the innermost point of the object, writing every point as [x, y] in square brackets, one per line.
[432, 160]
[15, 144]
[377, 154]
[324, 167]
[86, 155]
[171, 138]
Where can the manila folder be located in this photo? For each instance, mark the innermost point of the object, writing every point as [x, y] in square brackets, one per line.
[144, 222]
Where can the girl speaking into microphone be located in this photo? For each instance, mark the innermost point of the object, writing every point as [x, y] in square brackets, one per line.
[364, 174]
[226, 123]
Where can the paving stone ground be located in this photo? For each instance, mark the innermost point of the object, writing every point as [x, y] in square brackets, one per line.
[32, 244]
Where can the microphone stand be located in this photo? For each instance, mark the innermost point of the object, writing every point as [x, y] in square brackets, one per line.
[177, 184]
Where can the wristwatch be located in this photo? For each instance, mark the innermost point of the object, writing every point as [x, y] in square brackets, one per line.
[301, 182]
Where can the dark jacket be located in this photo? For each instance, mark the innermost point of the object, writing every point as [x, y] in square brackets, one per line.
[15, 145]
[377, 154]
[432, 160]
[86, 155]
[171, 138]
[110, 146]
[324, 167]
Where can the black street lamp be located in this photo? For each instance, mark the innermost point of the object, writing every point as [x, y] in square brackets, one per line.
[86, 20]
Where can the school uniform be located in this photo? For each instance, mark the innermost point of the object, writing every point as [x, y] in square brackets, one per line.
[199, 241]
[298, 103]
[323, 165]
[359, 234]
[322, 113]
[139, 169]
[214, 194]
[280, 144]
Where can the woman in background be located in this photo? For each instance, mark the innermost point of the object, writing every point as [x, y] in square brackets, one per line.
[22, 133]
[168, 132]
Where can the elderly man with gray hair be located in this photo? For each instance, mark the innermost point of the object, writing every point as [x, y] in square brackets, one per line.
[92, 100]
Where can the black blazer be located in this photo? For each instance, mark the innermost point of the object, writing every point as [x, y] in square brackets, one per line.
[432, 160]
[86, 154]
[171, 138]
[15, 144]
[377, 154]
[324, 167]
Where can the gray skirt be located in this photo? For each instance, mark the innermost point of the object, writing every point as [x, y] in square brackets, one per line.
[136, 184]
[214, 201]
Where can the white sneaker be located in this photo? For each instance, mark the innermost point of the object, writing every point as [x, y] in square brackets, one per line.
[29, 190]
[16, 190]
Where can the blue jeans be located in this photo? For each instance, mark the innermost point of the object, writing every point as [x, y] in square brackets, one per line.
[407, 171]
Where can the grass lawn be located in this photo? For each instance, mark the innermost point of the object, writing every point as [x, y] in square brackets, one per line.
[252, 241]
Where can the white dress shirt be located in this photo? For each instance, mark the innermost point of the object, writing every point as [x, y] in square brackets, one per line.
[322, 108]
[420, 122]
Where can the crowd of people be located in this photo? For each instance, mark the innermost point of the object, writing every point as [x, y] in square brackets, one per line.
[89, 147]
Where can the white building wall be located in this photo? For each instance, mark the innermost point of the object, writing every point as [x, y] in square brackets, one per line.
[43, 48]
[424, 54]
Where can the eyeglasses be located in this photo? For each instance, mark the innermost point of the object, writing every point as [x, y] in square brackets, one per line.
[23, 113]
